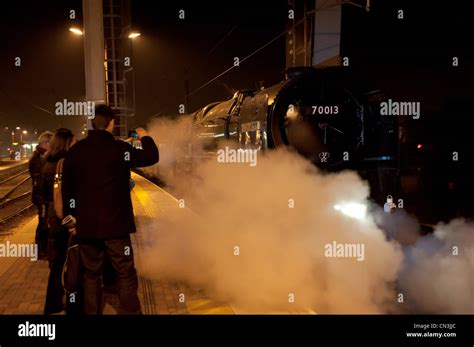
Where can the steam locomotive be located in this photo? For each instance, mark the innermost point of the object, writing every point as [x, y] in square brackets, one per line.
[327, 115]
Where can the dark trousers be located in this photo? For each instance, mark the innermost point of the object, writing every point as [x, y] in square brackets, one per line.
[57, 253]
[120, 254]
[41, 236]
[56, 256]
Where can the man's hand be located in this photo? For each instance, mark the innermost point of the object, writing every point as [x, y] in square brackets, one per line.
[141, 132]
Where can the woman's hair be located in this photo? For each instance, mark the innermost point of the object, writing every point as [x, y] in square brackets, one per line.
[62, 140]
[45, 136]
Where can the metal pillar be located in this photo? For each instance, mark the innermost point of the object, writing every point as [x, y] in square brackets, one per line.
[94, 52]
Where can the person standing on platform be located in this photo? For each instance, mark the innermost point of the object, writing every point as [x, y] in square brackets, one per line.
[34, 165]
[58, 234]
[96, 191]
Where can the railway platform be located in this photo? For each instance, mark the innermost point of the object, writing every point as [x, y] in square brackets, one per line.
[23, 281]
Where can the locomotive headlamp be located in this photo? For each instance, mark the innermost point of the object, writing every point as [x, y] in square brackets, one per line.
[352, 209]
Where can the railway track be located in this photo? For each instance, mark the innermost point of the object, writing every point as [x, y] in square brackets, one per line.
[15, 196]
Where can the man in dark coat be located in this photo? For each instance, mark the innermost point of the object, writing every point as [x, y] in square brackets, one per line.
[96, 190]
[35, 165]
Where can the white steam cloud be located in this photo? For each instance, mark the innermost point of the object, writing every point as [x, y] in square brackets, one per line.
[438, 274]
[259, 237]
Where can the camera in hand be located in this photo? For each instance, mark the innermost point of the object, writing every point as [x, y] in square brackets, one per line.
[133, 134]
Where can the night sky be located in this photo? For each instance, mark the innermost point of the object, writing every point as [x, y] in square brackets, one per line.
[410, 58]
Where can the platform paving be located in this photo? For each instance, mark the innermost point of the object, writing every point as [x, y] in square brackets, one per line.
[23, 282]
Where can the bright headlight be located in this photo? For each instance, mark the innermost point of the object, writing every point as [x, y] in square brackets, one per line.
[352, 209]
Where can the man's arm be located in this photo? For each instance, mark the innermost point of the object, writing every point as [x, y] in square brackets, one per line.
[146, 156]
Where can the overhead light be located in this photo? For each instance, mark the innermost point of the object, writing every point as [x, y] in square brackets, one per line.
[133, 35]
[76, 31]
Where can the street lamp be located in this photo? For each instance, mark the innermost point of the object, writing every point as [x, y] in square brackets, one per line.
[76, 31]
[133, 35]
[24, 132]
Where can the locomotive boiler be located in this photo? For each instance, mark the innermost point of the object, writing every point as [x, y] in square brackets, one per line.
[326, 115]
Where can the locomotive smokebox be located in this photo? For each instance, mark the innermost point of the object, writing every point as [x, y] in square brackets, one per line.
[326, 115]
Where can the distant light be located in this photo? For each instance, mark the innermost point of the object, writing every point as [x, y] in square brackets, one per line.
[352, 209]
[15, 143]
[76, 31]
[25, 132]
[18, 128]
[419, 146]
[133, 35]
